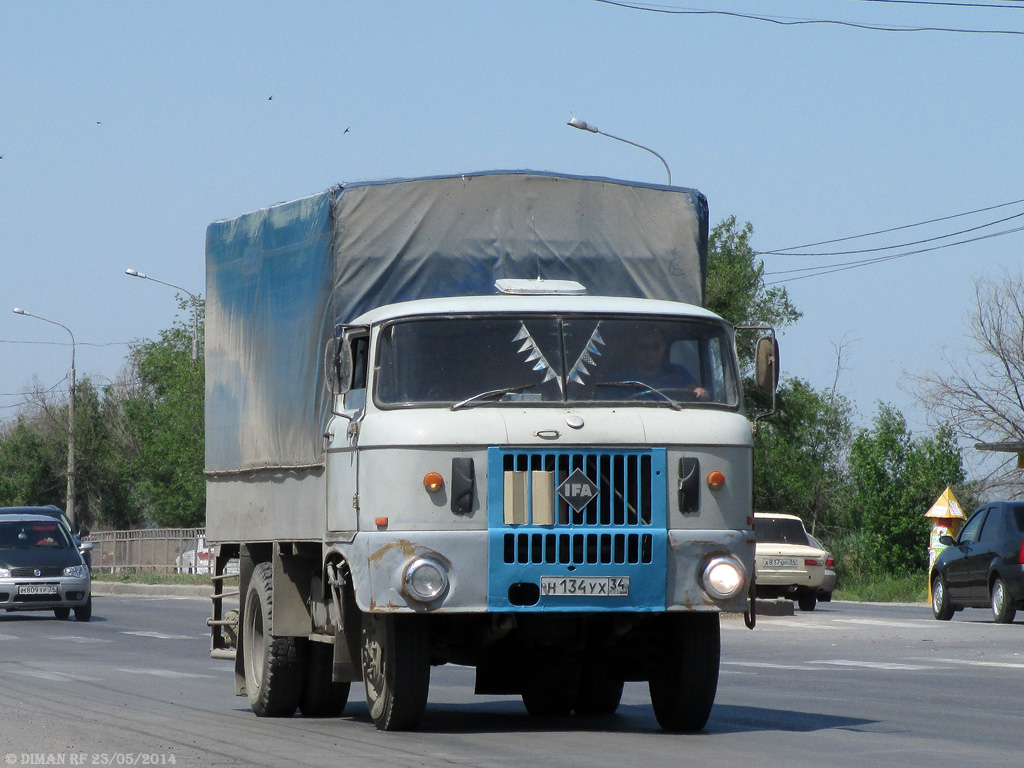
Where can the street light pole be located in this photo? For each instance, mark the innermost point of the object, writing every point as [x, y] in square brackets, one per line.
[70, 502]
[195, 310]
[584, 126]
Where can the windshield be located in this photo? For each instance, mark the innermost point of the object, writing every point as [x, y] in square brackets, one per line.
[780, 530]
[22, 534]
[469, 361]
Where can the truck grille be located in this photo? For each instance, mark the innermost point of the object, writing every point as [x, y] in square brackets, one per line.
[576, 513]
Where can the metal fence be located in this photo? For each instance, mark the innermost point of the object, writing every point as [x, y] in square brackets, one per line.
[157, 550]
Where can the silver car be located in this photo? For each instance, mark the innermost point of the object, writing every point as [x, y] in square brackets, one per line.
[41, 568]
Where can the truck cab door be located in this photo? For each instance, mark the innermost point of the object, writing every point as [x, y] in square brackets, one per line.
[343, 438]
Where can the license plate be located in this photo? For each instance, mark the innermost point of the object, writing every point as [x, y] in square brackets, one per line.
[585, 586]
[779, 562]
[37, 589]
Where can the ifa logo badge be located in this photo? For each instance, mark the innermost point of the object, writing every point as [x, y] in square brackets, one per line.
[578, 490]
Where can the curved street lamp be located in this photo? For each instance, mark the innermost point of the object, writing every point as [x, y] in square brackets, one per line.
[584, 126]
[70, 503]
[195, 311]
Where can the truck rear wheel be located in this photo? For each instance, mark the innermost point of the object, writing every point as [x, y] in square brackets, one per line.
[396, 669]
[322, 697]
[685, 679]
[273, 665]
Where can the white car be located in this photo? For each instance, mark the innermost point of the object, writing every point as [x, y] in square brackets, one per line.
[195, 558]
[786, 563]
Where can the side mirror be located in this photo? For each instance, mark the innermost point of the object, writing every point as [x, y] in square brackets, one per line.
[946, 540]
[86, 546]
[766, 364]
[343, 367]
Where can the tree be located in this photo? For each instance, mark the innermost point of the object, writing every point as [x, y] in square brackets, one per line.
[895, 478]
[164, 415]
[800, 455]
[982, 394]
[735, 285]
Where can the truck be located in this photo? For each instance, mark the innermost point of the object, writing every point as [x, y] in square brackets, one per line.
[478, 419]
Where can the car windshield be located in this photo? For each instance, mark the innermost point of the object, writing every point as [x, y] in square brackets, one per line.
[25, 534]
[780, 530]
[470, 361]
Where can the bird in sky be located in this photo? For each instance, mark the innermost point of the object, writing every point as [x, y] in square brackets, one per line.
[344, 132]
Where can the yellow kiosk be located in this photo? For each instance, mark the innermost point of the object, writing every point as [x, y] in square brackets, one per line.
[947, 517]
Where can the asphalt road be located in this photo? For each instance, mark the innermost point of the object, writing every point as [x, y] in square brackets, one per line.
[847, 685]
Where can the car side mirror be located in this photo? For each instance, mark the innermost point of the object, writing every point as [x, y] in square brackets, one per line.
[85, 546]
[946, 540]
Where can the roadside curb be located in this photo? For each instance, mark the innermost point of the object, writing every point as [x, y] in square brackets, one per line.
[128, 589]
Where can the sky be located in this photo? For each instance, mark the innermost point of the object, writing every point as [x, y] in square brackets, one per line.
[126, 128]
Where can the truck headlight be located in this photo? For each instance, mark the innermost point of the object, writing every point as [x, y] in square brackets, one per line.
[724, 578]
[424, 579]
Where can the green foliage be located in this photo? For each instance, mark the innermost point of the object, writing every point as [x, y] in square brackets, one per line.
[895, 478]
[165, 422]
[31, 464]
[735, 285]
[800, 452]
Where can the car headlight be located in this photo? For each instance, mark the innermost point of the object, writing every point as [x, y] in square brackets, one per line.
[5, 573]
[77, 571]
[724, 578]
[424, 579]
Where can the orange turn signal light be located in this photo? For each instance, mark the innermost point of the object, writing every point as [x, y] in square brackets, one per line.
[716, 480]
[433, 481]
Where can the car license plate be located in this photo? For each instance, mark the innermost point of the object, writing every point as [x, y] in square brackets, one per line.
[585, 586]
[37, 589]
[779, 562]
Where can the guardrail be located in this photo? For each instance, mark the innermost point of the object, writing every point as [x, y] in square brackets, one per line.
[155, 550]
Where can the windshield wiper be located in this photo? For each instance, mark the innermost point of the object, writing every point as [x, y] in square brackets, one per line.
[489, 394]
[640, 385]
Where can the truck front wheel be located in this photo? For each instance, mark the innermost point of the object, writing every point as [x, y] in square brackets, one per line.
[273, 665]
[685, 679]
[396, 669]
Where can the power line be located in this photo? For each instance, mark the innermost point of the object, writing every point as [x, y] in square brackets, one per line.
[789, 21]
[782, 251]
[829, 269]
[900, 245]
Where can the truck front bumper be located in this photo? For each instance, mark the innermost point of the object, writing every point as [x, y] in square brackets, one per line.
[478, 577]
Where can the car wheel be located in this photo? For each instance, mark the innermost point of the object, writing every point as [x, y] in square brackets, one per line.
[806, 601]
[395, 656]
[273, 665]
[684, 679]
[1002, 607]
[941, 608]
[62, 613]
[322, 697]
[84, 612]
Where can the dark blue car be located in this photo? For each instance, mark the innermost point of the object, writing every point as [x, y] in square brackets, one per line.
[984, 566]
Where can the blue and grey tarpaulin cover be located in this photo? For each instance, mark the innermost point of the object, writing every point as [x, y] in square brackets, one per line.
[280, 279]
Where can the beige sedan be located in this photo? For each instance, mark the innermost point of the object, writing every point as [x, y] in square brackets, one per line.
[786, 563]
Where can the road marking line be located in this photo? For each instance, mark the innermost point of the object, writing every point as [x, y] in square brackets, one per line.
[162, 672]
[158, 635]
[763, 665]
[892, 624]
[873, 665]
[969, 663]
[59, 677]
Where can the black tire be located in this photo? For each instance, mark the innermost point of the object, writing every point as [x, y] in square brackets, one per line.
[806, 601]
[395, 656]
[1002, 606]
[322, 697]
[62, 613]
[273, 665]
[550, 694]
[941, 608]
[597, 693]
[84, 612]
[685, 680]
